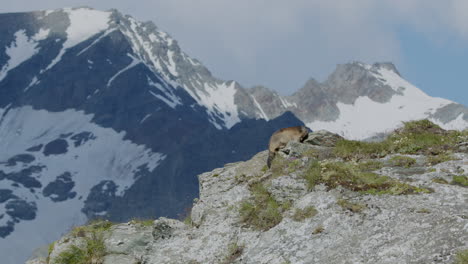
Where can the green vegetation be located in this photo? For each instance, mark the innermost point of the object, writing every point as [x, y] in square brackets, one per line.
[264, 212]
[370, 165]
[145, 222]
[462, 257]
[234, 252]
[312, 174]
[278, 165]
[439, 180]
[94, 226]
[92, 252]
[188, 220]
[443, 157]
[215, 175]
[416, 137]
[402, 161]
[302, 214]
[357, 150]
[293, 165]
[49, 251]
[334, 174]
[353, 207]
[460, 180]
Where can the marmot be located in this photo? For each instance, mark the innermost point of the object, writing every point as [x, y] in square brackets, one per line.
[280, 138]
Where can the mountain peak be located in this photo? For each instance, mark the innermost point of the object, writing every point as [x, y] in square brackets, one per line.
[386, 65]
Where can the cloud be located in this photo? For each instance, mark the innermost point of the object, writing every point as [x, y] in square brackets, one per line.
[283, 43]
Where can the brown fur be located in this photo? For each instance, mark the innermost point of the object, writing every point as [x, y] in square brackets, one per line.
[280, 138]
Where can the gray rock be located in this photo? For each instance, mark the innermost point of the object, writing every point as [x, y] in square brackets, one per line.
[323, 138]
[60, 189]
[120, 259]
[56, 147]
[21, 209]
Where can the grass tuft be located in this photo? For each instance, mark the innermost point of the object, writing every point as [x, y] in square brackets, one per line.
[460, 180]
[353, 207]
[263, 211]
[350, 176]
[234, 252]
[302, 214]
[92, 252]
[462, 257]
[402, 161]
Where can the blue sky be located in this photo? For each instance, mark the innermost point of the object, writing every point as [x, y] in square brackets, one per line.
[282, 44]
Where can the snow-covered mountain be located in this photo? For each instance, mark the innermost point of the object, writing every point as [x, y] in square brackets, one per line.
[360, 100]
[105, 116]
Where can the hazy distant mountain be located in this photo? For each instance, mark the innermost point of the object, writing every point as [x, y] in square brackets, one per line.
[105, 116]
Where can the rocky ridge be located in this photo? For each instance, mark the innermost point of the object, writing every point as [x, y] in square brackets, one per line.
[319, 203]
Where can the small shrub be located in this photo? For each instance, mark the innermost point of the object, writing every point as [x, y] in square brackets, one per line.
[92, 252]
[462, 257]
[301, 214]
[353, 207]
[460, 180]
[312, 174]
[94, 226]
[264, 212]
[234, 252]
[402, 161]
[215, 175]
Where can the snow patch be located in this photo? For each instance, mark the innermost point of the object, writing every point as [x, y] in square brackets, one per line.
[171, 65]
[456, 124]
[262, 113]
[33, 82]
[219, 100]
[84, 23]
[132, 64]
[172, 99]
[285, 102]
[21, 50]
[105, 34]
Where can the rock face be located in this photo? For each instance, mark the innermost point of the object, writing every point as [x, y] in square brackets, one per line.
[316, 224]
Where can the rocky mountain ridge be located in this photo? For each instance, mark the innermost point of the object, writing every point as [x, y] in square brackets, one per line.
[321, 202]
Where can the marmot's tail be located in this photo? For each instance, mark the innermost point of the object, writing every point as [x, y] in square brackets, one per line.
[271, 155]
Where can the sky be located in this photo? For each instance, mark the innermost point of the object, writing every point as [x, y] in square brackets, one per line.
[282, 44]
